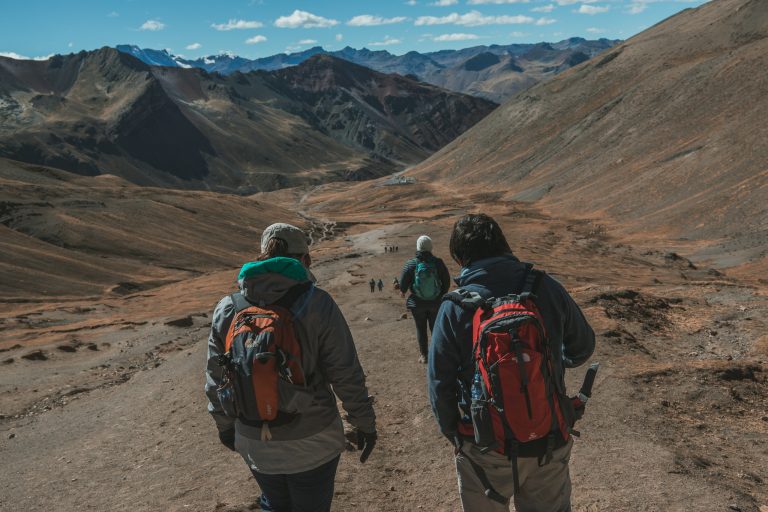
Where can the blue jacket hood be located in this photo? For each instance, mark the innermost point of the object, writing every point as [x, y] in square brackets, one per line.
[496, 274]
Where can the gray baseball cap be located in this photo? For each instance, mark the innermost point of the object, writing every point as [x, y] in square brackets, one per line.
[295, 238]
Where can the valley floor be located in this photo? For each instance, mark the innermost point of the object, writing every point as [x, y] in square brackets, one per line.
[103, 407]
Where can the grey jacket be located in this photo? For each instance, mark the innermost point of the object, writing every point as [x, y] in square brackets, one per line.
[329, 361]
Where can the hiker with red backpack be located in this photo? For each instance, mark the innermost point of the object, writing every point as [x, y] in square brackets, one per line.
[427, 278]
[276, 347]
[496, 372]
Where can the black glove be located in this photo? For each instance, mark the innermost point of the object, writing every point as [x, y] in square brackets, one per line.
[227, 438]
[366, 441]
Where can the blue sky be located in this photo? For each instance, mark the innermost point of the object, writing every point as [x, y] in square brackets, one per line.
[257, 28]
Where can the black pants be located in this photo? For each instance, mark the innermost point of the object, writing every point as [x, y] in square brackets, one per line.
[310, 491]
[424, 315]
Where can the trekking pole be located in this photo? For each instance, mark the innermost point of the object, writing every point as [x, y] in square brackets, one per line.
[580, 400]
[589, 380]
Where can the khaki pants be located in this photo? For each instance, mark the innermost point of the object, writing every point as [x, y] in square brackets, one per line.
[542, 488]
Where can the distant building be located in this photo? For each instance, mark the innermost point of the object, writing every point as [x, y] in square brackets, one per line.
[400, 180]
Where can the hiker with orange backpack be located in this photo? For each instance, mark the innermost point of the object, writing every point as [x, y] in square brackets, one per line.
[276, 347]
[496, 372]
[427, 278]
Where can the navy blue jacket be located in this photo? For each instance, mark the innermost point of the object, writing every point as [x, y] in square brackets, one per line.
[408, 275]
[451, 364]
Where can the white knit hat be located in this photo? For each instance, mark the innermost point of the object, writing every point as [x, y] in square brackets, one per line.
[424, 244]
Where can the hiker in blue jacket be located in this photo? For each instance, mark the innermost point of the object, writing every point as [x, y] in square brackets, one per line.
[489, 268]
[294, 461]
[427, 278]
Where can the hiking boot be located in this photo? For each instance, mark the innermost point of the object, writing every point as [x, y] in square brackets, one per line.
[423, 359]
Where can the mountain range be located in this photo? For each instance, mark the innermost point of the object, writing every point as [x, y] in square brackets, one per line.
[494, 72]
[327, 119]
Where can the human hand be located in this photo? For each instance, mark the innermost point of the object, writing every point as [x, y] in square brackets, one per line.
[227, 438]
[365, 442]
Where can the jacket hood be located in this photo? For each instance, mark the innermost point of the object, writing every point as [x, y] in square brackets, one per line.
[265, 282]
[491, 272]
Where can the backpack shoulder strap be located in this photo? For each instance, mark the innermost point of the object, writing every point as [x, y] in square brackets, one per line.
[532, 282]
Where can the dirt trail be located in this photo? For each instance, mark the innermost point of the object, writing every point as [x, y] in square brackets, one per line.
[678, 420]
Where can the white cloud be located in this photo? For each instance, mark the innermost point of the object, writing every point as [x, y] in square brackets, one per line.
[444, 3]
[113, 14]
[472, 19]
[637, 7]
[304, 19]
[544, 8]
[456, 37]
[571, 2]
[308, 41]
[593, 30]
[255, 40]
[545, 21]
[517, 33]
[388, 41]
[480, 2]
[152, 25]
[70, 45]
[237, 25]
[339, 37]
[593, 9]
[366, 20]
[412, 2]
[193, 46]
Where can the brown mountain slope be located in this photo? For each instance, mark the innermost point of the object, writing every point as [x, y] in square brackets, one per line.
[107, 112]
[63, 235]
[665, 132]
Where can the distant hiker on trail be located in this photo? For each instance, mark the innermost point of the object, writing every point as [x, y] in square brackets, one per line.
[395, 284]
[427, 278]
[275, 349]
[380, 284]
[519, 446]
[372, 284]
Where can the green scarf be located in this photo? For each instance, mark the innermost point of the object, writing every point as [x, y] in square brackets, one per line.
[288, 267]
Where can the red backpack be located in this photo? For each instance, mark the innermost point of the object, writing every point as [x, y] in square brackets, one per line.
[516, 395]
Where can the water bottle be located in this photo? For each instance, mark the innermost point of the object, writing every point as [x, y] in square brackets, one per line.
[477, 386]
[481, 415]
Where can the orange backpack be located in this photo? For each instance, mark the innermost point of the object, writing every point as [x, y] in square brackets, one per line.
[262, 357]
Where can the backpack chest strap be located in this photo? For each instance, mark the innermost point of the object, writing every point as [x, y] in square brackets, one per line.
[469, 301]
